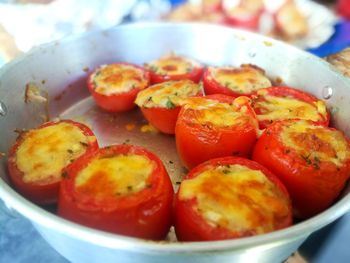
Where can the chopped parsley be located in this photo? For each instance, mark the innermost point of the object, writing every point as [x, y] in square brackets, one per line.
[84, 144]
[225, 171]
[153, 68]
[188, 70]
[169, 104]
[306, 158]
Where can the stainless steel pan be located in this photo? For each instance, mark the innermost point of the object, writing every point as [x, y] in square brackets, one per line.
[60, 69]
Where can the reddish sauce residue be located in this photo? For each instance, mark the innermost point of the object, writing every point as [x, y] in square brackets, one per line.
[170, 67]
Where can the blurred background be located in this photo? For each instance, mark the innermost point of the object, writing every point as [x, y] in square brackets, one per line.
[321, 27]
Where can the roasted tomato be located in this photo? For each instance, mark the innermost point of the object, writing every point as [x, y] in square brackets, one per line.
[230, 197]
[234, 81]
[244, 13]
[39, 156]
[283, 103]
[313, 162]
[174, 67]
[122, 189]
[115, 86]
[215, 126]
[161, 103]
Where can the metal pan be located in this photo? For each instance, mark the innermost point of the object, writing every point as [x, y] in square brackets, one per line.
[59, 69]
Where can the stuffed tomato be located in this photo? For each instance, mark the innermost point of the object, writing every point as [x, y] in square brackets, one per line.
[230, 197]
[174, 67]
[215, 126]
[283, 103]
[161, 103]
[122, 189]
[313, 162]
[232, 81]
[39, 156]
[115, 86]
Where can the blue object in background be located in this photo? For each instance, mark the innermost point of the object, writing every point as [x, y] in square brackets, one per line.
[339, 41]
[175, 3]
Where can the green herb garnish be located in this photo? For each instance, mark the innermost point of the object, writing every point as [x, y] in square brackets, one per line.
[169, 104]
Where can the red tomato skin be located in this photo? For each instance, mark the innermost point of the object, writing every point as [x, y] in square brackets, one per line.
[120, 102]
[162, 118]
[195, 75]
[43, 192]
[295, 93]
[190, 226]
[343, 8]
[211, 86]
[146, 214]
[312, 190]
[196, 143]
[250, 22]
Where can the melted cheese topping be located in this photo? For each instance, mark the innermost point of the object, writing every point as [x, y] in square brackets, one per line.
[44, 152]
[316, 144]
[207, 111]
[172, 65]
[281, 108]
[115, 176]
[236, 198]
[167, 94]
[118, 78]
[245, 79]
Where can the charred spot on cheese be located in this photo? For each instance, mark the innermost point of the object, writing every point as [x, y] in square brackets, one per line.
[118, 78]
[167, 94]
[245, 80]
[172, 65]
[115, 175]
[237, 198]
[213, 113]
[287, 107]
[315, 143]
[44, 152]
